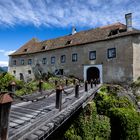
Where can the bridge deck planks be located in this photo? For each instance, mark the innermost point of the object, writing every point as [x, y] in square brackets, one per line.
[31, 115]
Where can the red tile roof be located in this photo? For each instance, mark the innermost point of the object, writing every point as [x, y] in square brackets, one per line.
[83, 37]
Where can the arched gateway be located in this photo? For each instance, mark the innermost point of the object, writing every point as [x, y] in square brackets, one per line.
[93, 72]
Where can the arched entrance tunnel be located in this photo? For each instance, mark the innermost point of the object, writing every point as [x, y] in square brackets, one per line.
[93, 73]
[21, 76]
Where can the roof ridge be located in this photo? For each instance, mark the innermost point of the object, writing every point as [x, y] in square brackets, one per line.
[113, 24]
[102, 27]
[82, 37]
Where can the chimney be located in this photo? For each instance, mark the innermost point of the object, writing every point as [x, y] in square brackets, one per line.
[73, 30]
[128, 18]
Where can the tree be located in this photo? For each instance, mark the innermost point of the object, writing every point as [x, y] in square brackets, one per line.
[5, 80]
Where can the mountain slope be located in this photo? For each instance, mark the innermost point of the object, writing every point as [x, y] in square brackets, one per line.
[3, 69]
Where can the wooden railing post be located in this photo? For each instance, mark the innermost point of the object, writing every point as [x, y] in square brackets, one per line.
[59, 97]
[5, 105]
[56, 82]
[86, 86]
[40, 86]
[91, 83]
[74, 81]
[95, 82]
[66, 82]
[77, 90]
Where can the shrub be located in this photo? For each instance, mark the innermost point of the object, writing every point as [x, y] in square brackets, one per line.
[105, 102]
[5, 80]
[89, 126]
[47, 86]
[125, 124]
[27, 88]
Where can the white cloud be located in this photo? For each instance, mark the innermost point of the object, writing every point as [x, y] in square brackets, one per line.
[4, 57]
[2, 51]
[94, 2]
[63, 13]
[6, 53]
[3, 63]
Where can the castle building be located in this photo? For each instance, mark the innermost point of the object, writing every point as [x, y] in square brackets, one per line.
[110, 53]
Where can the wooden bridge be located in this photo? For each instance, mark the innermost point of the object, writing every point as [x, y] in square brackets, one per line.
[38, 116]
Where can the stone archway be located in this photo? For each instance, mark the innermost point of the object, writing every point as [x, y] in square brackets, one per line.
[93, 73]
[21, 76]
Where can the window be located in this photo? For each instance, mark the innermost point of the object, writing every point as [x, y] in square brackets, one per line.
[14, 62]
[14, 72]
[74, 57]
[44, 47]
[68, 42]
[29, 71]
[59, 72]
[111, 53]
[63, 58]
[29, 61]
[92, 55]
[53, 60]
[25, 50]
[44, 61]
[22, 61]
[113, 32]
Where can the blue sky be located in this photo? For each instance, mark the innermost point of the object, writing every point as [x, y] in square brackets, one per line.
[21, 20]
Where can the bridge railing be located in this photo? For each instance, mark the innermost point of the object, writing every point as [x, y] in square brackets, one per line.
[6, 99]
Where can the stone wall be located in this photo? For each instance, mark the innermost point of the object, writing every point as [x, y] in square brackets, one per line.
[136, 58]
[119, 69]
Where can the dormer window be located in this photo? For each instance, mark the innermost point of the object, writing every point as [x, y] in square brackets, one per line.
[113, 32]
[68, 42]
[25, 50]
[116, 31]
[44, 47]
[122, 30]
